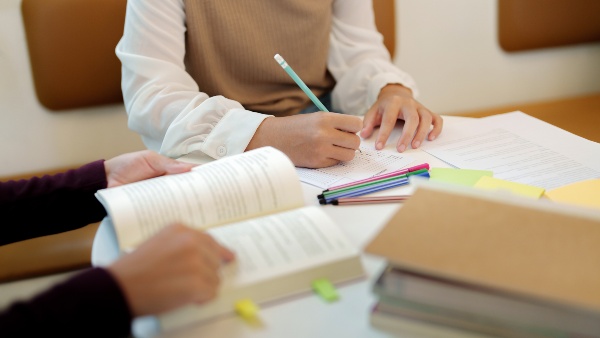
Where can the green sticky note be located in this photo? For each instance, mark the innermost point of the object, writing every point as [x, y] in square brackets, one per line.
[325, 289]
[490, 183]
[466, 177]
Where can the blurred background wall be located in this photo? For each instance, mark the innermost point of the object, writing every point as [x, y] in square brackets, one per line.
[450, 47]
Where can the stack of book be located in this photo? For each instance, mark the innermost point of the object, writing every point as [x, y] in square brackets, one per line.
[469, 263]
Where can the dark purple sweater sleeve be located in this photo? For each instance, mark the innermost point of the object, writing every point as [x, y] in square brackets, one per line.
[51, 204]
[89, 304]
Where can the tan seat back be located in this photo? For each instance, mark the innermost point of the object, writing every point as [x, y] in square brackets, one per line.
[72, 51]
[385, 19]
[72, 48]
[532, 24]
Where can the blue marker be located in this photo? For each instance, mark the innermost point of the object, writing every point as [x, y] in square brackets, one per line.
[299, 82]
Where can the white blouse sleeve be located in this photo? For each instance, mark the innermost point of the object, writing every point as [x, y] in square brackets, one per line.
[163, 102]
[358, 59]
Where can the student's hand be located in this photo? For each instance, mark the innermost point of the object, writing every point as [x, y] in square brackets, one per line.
[396, 102]
[177, 266]
[141, 165]
[311, 140]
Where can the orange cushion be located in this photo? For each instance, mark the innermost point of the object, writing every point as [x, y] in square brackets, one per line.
[531, 24]
[72, 50]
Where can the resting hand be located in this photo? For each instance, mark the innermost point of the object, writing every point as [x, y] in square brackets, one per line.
[141, 165]
[396, 102]
[177, 266]
[314, 140]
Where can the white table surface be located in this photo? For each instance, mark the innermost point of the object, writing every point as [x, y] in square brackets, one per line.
[305, 315]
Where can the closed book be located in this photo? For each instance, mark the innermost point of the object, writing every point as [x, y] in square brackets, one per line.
[406, 325]
[477, 308]
[535, 250]
[406, 319]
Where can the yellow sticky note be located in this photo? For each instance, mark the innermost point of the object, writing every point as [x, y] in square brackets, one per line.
[585, 193]
[466, 177]
[325, 289]
[490, 183]
[246, 308]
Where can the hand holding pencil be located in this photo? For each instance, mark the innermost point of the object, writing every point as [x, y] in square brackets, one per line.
[316, 140]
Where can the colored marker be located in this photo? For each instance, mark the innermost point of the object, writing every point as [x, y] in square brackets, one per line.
[326, 194]
[370, 200]
[390, 174]
[370, 188]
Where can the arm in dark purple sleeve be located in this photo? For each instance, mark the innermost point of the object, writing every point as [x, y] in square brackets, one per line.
[90, 304]
[51, 204]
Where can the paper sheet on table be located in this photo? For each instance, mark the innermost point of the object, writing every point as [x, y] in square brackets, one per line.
[490, 183]
[585, 193]
[328, 177]
[366, 163]
[518, 148]
[466, 177]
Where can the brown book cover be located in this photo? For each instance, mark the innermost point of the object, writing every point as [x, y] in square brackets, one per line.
[528, 247]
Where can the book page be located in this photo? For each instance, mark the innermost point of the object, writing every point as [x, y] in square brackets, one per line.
[280, 243]
[276, 256]
[248, 185]
[520, 148]
[367, 162]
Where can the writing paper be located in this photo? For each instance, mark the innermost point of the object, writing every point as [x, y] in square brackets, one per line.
[520, 148]
[367, 162]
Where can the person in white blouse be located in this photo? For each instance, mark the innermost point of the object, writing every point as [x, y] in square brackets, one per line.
[199, 76]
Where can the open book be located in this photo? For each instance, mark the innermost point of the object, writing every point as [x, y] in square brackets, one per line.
[253, 204]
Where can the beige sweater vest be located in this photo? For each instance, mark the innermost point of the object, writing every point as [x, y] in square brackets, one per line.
[230, 46]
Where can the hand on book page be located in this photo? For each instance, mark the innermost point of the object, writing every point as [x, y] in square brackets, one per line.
[141, 165]
[252, 184]
[253, 204]
[175, 267]
[277, 256]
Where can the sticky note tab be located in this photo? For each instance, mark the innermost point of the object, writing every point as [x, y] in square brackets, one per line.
[246, 308]
[325, 289]
[465, 177]
[490, 183]
[585, 193]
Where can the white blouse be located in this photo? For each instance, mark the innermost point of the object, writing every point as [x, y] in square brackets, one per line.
[166, 107]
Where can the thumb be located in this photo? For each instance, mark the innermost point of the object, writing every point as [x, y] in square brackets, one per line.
[226, 254]
[164, 165]
[177, 167]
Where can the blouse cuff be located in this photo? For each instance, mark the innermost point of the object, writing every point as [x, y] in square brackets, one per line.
[233, 133]
[222, 128]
